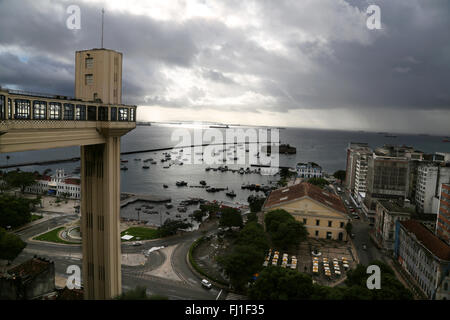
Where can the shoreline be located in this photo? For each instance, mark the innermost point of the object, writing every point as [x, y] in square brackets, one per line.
[75, 159]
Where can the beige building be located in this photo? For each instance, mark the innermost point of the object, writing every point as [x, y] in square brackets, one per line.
[322, 212]
[98, 76]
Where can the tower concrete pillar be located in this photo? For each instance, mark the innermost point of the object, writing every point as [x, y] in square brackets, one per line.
[100, 216]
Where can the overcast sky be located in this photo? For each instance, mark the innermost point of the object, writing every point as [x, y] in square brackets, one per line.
[302, 63]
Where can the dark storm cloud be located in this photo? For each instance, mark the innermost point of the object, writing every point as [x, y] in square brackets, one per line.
[291, 55]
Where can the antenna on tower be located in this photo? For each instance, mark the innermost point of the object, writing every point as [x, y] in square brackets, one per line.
[103, 13]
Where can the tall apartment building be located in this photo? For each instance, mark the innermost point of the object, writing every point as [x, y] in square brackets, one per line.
[98, 75]
[387, 178]
[360, 173]
[355, 151]
[423, 255]
[430, 176]
[443, 218]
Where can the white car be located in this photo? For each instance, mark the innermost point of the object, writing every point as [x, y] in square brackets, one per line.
[206, 284]
[137, 243]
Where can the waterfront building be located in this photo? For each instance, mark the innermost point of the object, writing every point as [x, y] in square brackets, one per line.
[360, 173]
[59, 184]
[355, 151]
[387, 178]
[323, 213]
[443, 218]
[309, 170]
[424, 256]
[430, 176]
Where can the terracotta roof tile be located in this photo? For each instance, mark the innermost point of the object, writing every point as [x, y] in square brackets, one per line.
[301, 190]
[428, 239]
[74, 181]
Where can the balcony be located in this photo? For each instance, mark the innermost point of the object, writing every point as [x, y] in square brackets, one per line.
[32, 121]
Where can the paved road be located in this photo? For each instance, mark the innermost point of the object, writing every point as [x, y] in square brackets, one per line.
[361, 230]
[187, 288]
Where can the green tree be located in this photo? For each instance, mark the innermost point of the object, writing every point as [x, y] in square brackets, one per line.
[275, 283]
[10, 245]
[320, 182]
[210, 208]
[18, 179]
[252, 217]
[289, 234]
[14, 211]
[198, 215]
[255, 203]
[273, 218]
[230, 217]
[391, 287]
[340, 175]
[170, 227]
[241, 263]
[253, 234]
[283, 229]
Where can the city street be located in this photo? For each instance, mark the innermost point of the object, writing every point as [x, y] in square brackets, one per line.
[187, 287]
[361, 231]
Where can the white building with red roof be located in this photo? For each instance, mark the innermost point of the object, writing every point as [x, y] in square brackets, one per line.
[59, 184]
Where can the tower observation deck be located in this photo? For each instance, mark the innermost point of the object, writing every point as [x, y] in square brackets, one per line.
[94, 119]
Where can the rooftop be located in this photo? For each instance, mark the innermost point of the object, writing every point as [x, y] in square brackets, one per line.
[396, 207]
[31, 268]
[438, 247]
[301, 190]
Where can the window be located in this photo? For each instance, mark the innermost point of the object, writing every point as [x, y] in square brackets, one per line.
[22, 109]
[330, 223]
[2, 108]
[88, 79]
[9, 109]
[123, 114]
[89, 63]
[329, 235]
[39, 110]
[113, 114]
[103, 113]
[132, 114]
[92, 113]
[317, 233]
[80, 112]
[317, 222]
[304, 221]
[68, 111]
[342, 224]
[55, 110]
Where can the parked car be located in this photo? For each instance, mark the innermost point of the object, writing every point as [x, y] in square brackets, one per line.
[355, 216]
[206, 284]
[137, 243]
